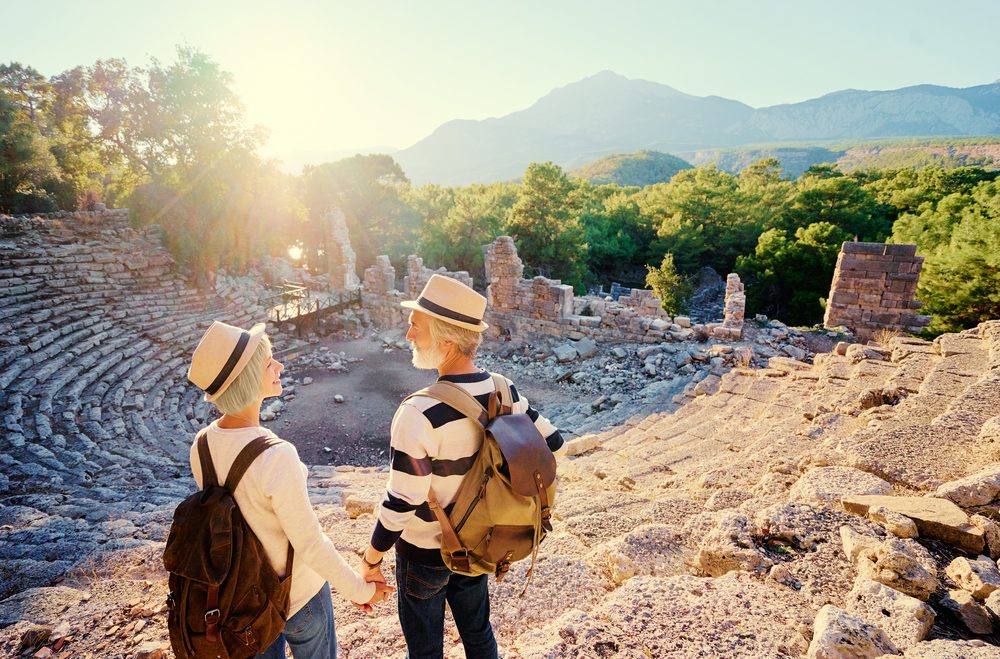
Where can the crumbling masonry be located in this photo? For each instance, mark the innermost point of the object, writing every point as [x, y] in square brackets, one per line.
[873, 288]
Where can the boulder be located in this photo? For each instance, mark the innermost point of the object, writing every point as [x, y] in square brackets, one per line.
[992, 604]
[900, 564]
[839, 635]
[973, 614]
[979, 577]
[905, 620]
[976, 490]
[565, 353]
[586, 348]
[935, 518]
[827, 485]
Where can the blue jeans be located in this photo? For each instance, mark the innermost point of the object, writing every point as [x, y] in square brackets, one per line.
[309, 632]
[421, 592]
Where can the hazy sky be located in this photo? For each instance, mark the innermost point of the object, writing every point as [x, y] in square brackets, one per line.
[331, 76]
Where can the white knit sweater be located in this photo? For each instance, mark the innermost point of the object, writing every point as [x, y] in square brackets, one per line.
[273, 499]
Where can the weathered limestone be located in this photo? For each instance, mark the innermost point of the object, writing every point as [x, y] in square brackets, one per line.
[979, 577]
[837, 635]
[975, 490]
[905, 620]
[417, 276]
[827, 485]
[729, 546]
[731, 328]
[974, 615]
[935, 518]
[873, 288]
[900, 564]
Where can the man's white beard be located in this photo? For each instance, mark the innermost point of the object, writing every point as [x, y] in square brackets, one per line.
[429, 358]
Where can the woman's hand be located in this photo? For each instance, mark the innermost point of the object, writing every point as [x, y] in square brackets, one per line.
[382, 591]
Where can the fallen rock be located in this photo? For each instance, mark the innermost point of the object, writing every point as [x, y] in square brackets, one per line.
[357, 506]
[650, 550]
[729, 546]
[586, 348]
[978, 489]
[905, 620]
[565, 353]
[935, 518]
[992, 604]
[979, 577]
[973, 614]
[580, 445]
[899, 525]
[901, 564]
[991, 533]
[827, 485]
[838, 635]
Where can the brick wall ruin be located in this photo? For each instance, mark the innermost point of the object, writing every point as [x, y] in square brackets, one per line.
[380, 297]
[542, 306]
[874, 287]
[731, 327]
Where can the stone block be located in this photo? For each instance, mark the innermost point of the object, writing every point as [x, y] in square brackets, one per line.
[935, 518]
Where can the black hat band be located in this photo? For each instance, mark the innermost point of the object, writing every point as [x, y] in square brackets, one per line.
[230, 364]
[446, 312]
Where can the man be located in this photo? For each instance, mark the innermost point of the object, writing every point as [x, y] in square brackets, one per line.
[432, 447]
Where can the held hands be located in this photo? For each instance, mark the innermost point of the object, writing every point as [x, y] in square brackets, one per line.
[372, 573]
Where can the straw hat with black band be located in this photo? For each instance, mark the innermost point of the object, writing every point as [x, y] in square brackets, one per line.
[221, 356]
[452, 301]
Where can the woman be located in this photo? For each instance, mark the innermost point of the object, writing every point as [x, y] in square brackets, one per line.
[235, 369]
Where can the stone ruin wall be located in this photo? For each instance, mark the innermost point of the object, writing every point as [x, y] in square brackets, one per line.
[340, 256]
[547, 307]
[381, 299]
[873, 288]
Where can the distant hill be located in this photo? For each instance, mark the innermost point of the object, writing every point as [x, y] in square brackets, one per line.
[609, 114]
[884, 154]
[640, 168]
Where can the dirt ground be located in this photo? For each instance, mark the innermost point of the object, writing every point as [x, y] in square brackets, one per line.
[357, 430]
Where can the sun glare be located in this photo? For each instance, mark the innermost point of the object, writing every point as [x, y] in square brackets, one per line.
[295, 252]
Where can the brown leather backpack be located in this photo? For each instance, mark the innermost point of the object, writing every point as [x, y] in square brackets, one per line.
[503, 507]
[225, 599]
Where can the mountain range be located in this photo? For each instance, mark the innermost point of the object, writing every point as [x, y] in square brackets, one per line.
[608, 113]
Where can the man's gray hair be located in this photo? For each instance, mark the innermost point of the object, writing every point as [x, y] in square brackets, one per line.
[245, 389]
[466, 341]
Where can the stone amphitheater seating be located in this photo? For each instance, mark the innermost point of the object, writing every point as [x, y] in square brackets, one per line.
[96, 411]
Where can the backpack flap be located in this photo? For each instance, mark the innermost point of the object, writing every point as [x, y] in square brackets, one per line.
[201, 518]
[525, 452]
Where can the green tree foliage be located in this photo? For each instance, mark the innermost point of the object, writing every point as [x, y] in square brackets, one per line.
[26, 164]
[545, 227]
[618, 235]
[640, 168]
[369, 189]
[789, 276]
[459, 221]
[959, 236]
[825, 195]
[673, 290]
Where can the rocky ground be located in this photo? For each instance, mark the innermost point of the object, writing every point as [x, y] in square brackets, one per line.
[720, 514]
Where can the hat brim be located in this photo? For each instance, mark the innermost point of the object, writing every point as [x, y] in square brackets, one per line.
[412, 304]
[256, 333]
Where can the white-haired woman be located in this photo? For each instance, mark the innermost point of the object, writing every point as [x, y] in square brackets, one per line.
[236, 370]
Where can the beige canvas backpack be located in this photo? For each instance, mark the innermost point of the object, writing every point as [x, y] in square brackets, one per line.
[503, 507]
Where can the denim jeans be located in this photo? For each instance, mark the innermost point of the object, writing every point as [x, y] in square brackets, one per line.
[421, 592]
[309, 633]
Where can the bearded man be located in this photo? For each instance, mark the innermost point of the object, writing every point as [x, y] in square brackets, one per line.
[432, 447]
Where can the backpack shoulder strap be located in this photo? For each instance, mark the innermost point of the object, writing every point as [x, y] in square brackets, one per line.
[455, 396]
[502, 386]
[246, 457]
[208, 476]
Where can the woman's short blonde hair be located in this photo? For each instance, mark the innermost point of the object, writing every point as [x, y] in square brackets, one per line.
[466, 341]
[245, 389]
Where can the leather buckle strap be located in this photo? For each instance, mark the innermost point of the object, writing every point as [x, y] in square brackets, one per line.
[459, 555]
[212, 615]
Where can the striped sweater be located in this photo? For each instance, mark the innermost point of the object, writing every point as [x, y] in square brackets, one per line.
[432, 447]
